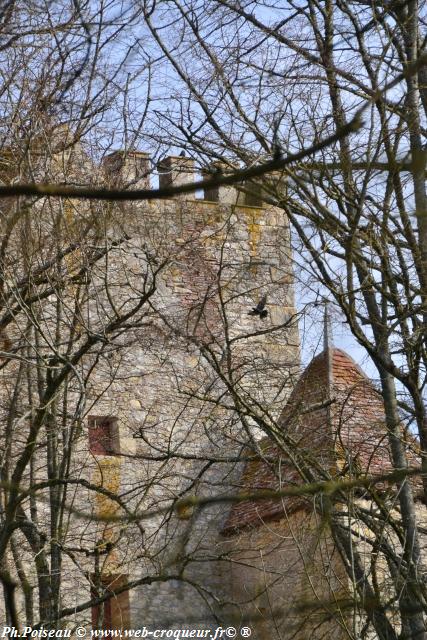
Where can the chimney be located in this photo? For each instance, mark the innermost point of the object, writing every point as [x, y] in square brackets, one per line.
[175, 170]
[128, 169]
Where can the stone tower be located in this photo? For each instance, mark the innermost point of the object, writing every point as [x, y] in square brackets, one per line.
[172, 414]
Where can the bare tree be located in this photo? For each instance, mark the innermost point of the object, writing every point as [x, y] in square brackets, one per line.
[252, 84]
[358, 207]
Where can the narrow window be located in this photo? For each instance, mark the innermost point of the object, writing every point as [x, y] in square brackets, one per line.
[113, 613]
[103, 436]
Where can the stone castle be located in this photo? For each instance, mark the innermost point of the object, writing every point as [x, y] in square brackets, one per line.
[172, 405]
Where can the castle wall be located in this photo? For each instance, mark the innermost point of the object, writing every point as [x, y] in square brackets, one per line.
[179, 382]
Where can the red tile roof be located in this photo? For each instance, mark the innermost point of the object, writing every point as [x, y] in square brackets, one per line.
[336, 417]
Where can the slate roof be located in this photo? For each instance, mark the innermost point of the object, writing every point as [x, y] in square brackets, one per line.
[336, 415]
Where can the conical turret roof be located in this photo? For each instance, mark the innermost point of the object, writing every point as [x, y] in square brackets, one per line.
[335, 416]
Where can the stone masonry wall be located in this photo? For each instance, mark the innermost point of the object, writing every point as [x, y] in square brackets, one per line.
[180, 430]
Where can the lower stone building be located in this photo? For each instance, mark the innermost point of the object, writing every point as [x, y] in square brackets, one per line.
[324, 566]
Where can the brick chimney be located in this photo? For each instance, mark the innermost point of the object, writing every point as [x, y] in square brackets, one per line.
[128, 169]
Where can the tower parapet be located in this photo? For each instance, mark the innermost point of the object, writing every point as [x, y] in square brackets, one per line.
[132, 169]
[175, 171]
[128, 169]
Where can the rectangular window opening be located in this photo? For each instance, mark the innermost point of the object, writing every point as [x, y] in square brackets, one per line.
[103, 435]
[113, 613]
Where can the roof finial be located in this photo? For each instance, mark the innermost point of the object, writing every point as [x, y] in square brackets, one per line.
[328, 349]
[327, 329]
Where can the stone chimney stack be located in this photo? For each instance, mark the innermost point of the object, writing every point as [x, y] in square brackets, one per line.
[128, 169]
[175, 170]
